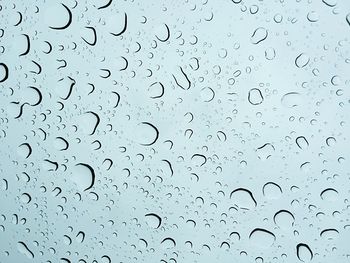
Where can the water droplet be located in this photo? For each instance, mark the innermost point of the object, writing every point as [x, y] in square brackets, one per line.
[284, 219]
[272, 190]
[312, 16]
[304, 252]
[243, 198]
[25, 198]
[259, 35]
[329, 194]
[23, 249]
[262, 238]
[301, 142]
[270, 53]
[168, 243]
[302, 60]
[291, 99]
[153, 220]
[255, 96]
[329, 234]
[84, 176]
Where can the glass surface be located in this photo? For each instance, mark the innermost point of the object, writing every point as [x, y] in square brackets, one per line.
[174, 131]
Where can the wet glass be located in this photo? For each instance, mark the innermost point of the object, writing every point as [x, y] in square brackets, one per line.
[174, 131]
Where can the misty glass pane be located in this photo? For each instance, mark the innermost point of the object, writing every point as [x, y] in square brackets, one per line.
[174, 131]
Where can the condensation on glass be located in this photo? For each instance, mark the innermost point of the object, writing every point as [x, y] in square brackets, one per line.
[174, 131]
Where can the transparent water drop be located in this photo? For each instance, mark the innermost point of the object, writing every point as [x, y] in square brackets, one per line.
[243, 198]
[255, 96]
[262, 238]
[259, 35]
[304, 252]
[153, 220]
[23, 249]
[272, 190]
[302, 60]
[291, 99]
[168, 243]
[284, 219]
[84, 176]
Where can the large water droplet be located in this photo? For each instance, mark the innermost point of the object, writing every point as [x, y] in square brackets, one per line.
[23, 249]
[302, 60]
[262, 238]
[259, 35]
[153, 220]
[304, 252]
[255, 96]
[84, 176]
[243, 198]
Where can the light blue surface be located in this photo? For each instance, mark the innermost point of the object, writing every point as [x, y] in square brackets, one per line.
[186, 131]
